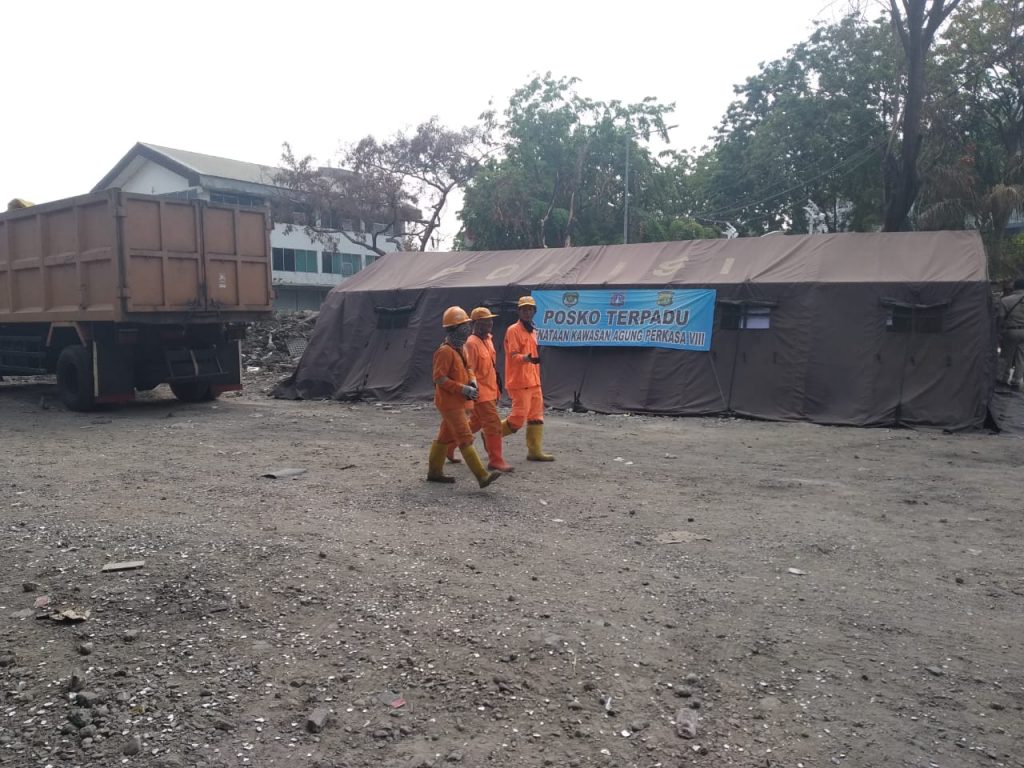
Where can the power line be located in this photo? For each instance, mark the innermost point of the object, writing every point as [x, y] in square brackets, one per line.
[860, 157]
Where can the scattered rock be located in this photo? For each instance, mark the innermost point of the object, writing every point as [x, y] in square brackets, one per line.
[85, 648]
[937, 671]
[87, 698]
[133, 746]
[80, 717]
[317, 719]
[29, 586]
[77, 681]
[686, 724]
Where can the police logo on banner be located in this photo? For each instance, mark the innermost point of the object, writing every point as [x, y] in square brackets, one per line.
[617, 299]
[570, 298]
[665, 298]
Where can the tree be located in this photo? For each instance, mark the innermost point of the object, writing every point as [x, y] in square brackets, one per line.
[559, 177]
[806, 131]
[915, 26]
[406, 179]
[973, 169]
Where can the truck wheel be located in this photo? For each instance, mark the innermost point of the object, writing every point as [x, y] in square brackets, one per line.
[74, 379]
[193, 391]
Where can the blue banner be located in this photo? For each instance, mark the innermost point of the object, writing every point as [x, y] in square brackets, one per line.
[673, 319]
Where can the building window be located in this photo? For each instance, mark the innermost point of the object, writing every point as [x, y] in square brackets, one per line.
[370, 258]
[344, 264]
[225, 198]
[908, 319]
[751, 317]
[293, 260]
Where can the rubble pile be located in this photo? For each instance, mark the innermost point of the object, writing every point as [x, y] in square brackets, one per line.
[277, 343]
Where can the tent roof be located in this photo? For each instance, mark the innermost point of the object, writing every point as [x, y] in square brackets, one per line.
[898, 257]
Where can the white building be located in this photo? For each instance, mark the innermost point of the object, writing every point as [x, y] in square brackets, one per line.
[304, 270]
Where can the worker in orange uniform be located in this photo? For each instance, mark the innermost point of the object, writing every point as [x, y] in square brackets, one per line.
[454, 386]
[482, 357]
[522, 371]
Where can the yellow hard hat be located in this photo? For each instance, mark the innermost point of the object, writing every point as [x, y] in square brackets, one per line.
[526, 301]
[454, 316]
[481, 313]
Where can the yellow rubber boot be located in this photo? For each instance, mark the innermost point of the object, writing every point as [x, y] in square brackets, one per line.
[435, 464]
[506, 430]
[476, 465]
[534, 436]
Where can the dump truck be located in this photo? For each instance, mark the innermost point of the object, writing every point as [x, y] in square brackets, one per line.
[117, 293]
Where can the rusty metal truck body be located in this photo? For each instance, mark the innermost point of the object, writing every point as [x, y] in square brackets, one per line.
[118, 292]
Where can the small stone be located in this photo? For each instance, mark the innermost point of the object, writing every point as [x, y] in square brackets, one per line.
[223, 724]
[85, 648]
[87, 698]
[24, 613]
[317, 719]
[7, 660]
[996, 706]
[686, 724]
[937, 671]
[29, 586]
[454, 757]
[130, 636]
[692, 679]
[205, 692]
[77, 681]
[683, 692]
[80, 717]
[695, 703]
[89, 732]
[133, 746]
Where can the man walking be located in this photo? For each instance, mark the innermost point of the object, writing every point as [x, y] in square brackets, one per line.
[522, 369]
[1011, 336]
[454, 386]
[482, 357]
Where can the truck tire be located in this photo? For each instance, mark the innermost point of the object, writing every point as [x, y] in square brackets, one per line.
[74, 379]
[193, 391]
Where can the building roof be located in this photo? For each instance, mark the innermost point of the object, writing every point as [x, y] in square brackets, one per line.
[195, 167]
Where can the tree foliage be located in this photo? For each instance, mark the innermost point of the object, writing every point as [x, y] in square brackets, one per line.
[406, 179]
[559, 179]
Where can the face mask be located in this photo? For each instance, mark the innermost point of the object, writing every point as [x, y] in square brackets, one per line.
[459, 335]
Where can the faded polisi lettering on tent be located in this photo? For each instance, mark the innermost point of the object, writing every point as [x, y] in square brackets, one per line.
[862, 329]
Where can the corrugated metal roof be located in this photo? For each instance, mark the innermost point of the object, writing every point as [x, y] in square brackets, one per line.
[219, 167]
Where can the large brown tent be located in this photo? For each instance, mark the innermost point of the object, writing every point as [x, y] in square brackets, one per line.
[858, 329]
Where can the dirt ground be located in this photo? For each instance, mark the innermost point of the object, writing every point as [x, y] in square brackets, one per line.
[803, 595]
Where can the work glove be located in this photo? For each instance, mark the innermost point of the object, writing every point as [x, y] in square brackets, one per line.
[535, 359]
[470, 392]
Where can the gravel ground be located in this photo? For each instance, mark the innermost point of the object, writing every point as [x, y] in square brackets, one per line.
[669, 592]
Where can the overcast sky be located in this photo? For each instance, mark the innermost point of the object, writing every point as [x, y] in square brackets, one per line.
[84, 81]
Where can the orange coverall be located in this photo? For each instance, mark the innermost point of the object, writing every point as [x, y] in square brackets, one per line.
[448, 397]
[523, 378]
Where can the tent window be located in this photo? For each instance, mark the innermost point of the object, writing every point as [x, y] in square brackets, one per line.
[750, 317]
[392, 318]
[903, 319]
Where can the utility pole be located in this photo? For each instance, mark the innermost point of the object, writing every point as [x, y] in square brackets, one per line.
[625, 210]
